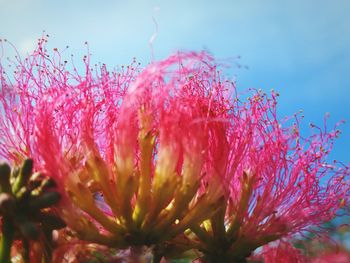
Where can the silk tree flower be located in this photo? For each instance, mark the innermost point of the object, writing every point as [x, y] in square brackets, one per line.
[150, 169]
[143, 155]
[132, 151]
[280, 183]
[285, 252]
[335, 256]
[281, 252]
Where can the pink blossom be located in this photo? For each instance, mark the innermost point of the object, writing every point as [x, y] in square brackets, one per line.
[282, 252]
[280, 183]
[171, 147]
[334, 257]
[142, 139]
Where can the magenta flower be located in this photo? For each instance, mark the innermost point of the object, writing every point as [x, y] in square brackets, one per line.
[281, 252]
[279, 183]
[285, 252]
[145, 141]
[335, 257]
[168, 156]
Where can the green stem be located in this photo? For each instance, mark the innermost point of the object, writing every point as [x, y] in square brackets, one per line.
[157, 257]
[47, 257]
[26, 251]
[8, 231]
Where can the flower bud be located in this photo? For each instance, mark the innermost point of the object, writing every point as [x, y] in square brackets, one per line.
[52, 221]
[7, 204]
[45, 200]
[29, 230]
[5, 172]
[24, 175]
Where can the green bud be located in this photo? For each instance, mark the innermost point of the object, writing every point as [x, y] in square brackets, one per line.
[24, 175]
[29, 230]
[48, 183]
[27, 169]
[7, 204]
[23, 194]
[39, 183]
[45, 200]
[34, 184]
[51, 221]
[5, 172]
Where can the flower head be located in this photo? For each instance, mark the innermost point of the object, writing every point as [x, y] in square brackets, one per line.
[145, 141]
[282, 252]
[144, 155]
[280, 183]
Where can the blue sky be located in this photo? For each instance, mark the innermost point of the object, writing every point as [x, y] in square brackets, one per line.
[299, 48]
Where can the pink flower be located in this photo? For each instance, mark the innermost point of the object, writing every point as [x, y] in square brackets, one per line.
[279, 182]
[171, 147]
[334, 257]
[282, 252]
[145, 140]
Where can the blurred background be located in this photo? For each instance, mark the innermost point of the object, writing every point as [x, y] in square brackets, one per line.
[299, 48]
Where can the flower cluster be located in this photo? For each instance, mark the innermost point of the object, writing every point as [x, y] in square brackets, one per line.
[26, 202]
[168, 157]
[279, 183]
